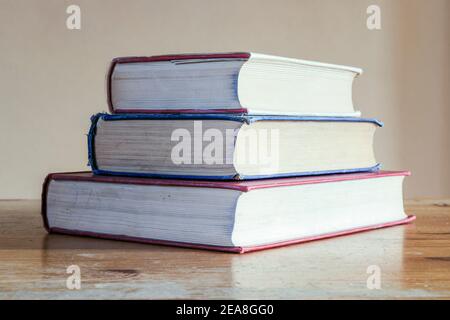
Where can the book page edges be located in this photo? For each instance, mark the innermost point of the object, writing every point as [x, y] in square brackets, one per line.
[230, 249]
[260, 56]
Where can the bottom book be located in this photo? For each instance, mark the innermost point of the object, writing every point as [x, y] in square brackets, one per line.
[235, 216]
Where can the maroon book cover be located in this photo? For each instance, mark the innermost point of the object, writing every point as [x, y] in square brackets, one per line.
[244, 186]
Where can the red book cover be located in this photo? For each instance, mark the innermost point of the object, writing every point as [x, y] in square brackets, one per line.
[244, 186]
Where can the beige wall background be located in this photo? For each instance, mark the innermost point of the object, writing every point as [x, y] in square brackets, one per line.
[52, 79]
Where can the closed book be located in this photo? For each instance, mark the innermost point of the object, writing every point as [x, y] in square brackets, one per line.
[229, 147]
[236, 216]
[241, 82]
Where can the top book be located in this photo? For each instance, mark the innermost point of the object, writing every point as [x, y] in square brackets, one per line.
[240, 82]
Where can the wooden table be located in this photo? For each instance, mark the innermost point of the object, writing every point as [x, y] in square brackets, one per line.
[413, 260]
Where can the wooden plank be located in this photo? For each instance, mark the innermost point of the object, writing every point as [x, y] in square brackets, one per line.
[414, 262]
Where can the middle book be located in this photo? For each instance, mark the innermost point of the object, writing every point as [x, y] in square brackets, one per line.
[229, 147]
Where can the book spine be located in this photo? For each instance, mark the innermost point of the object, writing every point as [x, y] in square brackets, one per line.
[90, 141]
[108, 85]
[44, 202]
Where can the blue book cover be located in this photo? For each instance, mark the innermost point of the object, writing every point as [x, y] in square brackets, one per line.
[210, 174]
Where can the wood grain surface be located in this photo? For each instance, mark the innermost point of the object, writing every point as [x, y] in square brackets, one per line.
[413, 260]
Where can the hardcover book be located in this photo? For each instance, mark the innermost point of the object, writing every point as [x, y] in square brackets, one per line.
[224, 146]
[239, 216]
[240, 82]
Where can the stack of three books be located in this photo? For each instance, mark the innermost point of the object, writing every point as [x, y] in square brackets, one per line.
[234, 152]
